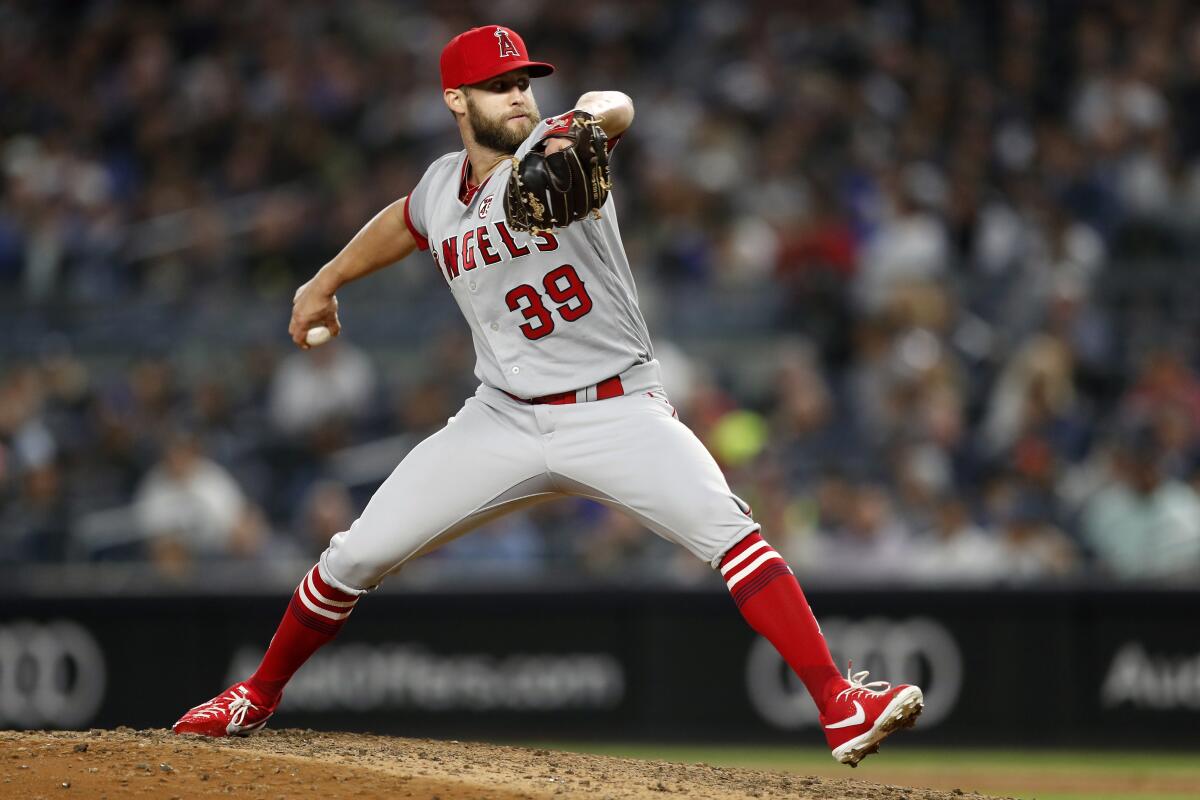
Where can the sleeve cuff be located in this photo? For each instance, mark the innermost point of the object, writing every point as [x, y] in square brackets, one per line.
[561, 125]
[558, 125]
[422, 242]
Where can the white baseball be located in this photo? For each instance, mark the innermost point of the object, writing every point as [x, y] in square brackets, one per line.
[317, 336]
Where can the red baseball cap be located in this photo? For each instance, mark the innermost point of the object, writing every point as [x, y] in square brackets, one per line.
[482, 53]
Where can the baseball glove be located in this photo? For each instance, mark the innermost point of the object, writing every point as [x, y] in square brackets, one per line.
[552, 191]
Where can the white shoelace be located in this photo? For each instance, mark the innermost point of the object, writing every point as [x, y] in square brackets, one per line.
[857, 685]
[236, 704]
[238, 709]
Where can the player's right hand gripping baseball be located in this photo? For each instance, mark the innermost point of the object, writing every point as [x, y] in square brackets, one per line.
[313, 306]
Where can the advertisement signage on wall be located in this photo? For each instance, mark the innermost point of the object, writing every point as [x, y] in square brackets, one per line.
[1110, 668]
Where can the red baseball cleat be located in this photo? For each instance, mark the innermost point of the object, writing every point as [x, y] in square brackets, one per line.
[237, 711]
[861, 715]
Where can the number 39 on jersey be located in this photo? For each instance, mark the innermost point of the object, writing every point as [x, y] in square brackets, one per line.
[563, 287]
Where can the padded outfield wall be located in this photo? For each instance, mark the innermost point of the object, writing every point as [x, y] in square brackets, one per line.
[1004, 668]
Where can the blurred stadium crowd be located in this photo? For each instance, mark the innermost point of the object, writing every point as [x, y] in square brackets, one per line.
[920, 272]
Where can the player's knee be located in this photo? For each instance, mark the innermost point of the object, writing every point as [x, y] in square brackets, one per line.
[350, 574]
[355, 570]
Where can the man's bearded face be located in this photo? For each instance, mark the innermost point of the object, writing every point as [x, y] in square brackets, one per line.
[500, 132]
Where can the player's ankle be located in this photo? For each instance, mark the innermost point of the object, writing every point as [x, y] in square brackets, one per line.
[829, 689]
[266, 692]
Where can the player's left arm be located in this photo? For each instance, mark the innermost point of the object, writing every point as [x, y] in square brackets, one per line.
[613, 109]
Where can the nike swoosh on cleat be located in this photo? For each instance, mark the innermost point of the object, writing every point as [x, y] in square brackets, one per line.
[857, 718]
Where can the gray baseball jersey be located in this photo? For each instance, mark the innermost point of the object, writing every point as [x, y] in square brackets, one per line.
[549, 313]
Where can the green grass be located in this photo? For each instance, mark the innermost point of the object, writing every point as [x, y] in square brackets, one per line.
[1026, 774]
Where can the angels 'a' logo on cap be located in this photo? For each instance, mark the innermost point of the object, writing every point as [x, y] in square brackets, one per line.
[507, 48]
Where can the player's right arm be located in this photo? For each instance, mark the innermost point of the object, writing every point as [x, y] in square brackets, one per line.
[383, 241]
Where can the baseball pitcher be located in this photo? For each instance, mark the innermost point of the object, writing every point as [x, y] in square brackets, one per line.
[522, 227]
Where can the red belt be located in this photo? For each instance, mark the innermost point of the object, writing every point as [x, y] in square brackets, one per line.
[605, 389]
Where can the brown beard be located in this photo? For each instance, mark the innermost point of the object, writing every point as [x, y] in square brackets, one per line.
[495, 134]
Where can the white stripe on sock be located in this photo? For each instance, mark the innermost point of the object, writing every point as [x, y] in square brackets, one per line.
[742, 556]
[316, 595]
[316, 609]
[758, 562]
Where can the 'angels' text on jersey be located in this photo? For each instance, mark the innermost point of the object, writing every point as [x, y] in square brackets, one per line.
[549, 312]
[476, 248]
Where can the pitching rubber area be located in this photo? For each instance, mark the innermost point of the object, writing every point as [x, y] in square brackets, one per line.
[901, 713]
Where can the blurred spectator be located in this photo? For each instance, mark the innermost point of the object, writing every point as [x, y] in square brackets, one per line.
[871, 546]
[1144, 525]
[30, 443]
[957, 551]
[910, 247]
[36, 526]
[921, 472]
[333, 382]
[1166, 383]
[190, 507]
[1036, 397]
[1033, 548]
[508, 547]
[326, 509]
[804, 427]
[616, 542]
[618, 547]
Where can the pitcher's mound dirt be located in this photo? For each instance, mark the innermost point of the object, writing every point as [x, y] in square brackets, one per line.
[293, 763]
